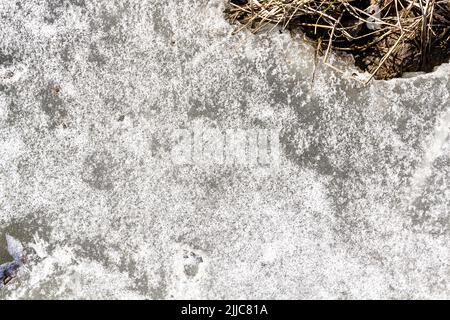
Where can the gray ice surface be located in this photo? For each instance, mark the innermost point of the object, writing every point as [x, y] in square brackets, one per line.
[90, 92]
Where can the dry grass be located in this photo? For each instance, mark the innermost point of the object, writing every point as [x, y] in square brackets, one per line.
[386, 37]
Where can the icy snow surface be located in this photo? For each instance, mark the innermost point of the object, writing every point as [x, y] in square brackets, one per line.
[90, 92]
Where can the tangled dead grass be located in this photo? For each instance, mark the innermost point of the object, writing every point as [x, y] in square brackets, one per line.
[386, 37]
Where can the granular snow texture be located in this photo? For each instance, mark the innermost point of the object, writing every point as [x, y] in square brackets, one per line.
[90, 92]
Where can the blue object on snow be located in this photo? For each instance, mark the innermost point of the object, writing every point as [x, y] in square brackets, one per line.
[8, 270]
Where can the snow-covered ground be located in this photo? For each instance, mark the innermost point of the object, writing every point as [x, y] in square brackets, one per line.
[354, 204]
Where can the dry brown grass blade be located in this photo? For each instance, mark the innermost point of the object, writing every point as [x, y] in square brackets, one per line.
[401, 38]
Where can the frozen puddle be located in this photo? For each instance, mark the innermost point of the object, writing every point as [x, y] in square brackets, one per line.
[356, 208]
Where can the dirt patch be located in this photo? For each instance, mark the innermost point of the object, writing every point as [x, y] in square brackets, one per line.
[386, 37]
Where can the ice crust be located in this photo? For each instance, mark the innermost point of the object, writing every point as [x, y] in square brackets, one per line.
[89, 93]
